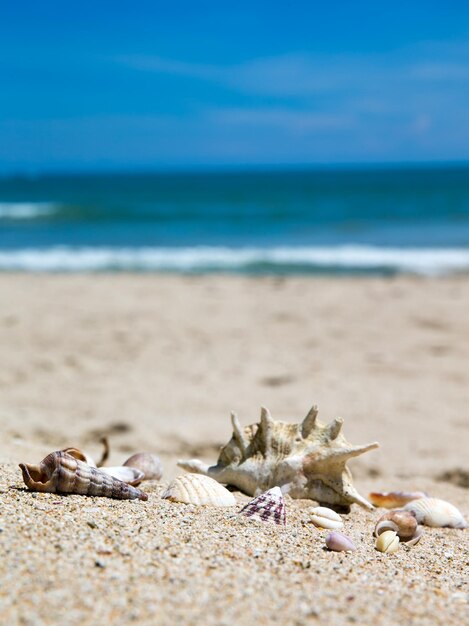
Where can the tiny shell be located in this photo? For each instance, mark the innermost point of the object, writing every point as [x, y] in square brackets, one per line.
[198, 490]
[323, 517]
[268, 507]
[437, 513]
[401, 521]
[339, 543]
[394, 499]
[147, 463]
[387, 542]
[128, 475]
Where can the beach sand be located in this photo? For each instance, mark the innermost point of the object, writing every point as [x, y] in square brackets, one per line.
[157, 363]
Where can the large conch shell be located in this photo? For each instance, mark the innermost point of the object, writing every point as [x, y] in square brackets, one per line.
[60, 472]
[306, 460]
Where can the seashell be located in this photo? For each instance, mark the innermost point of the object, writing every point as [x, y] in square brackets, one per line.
[339, 543]
[323, 517]
[401, 521]
[147, 463]
[307, 460]
[81, 455]
[60, 472]
[437, 513]
[129, 475]
[416, 538]
[387, 542]
[394, 499]
[268, 507]
[199, 490]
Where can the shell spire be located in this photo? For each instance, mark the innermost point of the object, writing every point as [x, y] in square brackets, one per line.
[60, 472]
[268, 507]
[308, 460]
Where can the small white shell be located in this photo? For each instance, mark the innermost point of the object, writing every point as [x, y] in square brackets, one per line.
[268, 507]
[323, 517]
[387, 542]
[199, 490]
[339, 543]
[129, 475]
[437, 513]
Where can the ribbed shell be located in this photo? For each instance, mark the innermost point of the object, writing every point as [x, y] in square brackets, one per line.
[198, 490]
[437, 513]
[268, 507]
[61, 473]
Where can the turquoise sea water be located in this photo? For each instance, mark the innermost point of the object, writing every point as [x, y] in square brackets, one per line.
[382, 221]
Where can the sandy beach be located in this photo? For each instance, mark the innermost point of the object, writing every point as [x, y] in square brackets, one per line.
[157, 363]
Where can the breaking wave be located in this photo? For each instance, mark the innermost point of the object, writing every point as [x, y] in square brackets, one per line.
[199, 259]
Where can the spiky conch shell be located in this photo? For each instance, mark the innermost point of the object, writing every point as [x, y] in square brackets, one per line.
[306, 460]
[198, 490]
[61, 473]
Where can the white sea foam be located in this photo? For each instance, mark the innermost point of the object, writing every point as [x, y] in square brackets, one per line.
[429, 261]
[25, 210]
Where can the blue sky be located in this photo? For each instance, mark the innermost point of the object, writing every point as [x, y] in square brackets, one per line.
[209, 84]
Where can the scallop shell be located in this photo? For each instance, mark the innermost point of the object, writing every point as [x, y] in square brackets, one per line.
[387, 542]
[60, 472]
[147, 463]
[268, 507]
[339, 543]
[394, 499]
[199, 490]
[306, 460]
[437, 513]
[322, 517]
[401, 521]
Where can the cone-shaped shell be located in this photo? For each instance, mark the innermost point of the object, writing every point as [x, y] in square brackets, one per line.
[149, 464]
[437, 513]
[307, 460]
[61, 473]
[198, 490]
[268, 507]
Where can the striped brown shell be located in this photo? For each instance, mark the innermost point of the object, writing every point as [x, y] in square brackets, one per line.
[61, 473]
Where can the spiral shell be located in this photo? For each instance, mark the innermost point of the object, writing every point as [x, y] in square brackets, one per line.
[268, 507]
[199, 490]
[339, 543]
[401, 521]
[147, 463]
[60, 472]
[437, 513]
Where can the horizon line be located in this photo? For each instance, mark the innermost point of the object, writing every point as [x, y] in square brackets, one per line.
[233, 169]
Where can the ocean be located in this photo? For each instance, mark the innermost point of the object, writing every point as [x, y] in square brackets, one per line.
[381, 221]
